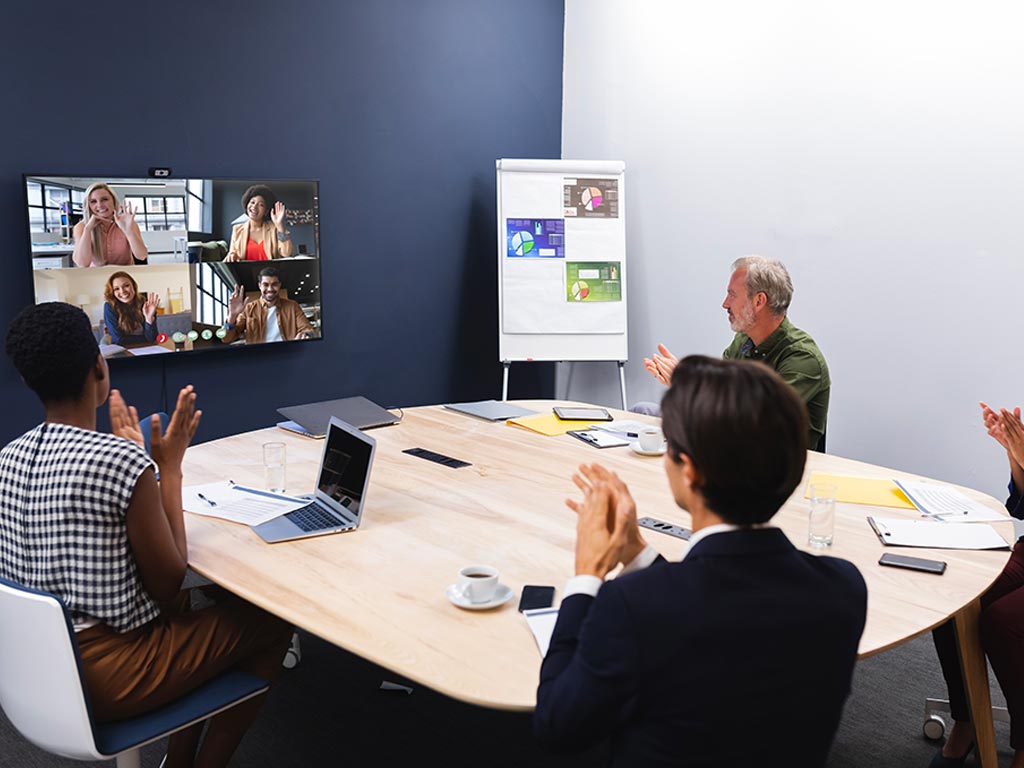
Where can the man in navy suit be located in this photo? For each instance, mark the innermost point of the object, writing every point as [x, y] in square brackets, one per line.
[742, 653]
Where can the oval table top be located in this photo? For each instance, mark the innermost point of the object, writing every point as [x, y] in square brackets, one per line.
[379, 591]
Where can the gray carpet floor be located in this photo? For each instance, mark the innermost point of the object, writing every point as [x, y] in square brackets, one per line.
[330, 711]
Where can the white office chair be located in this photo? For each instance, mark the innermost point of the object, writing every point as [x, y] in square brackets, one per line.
[42, 692]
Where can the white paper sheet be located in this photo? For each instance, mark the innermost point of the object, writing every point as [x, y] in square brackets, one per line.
[935, 534]
[237, 503]
[154, 349]
[945, 503]
[623, 427]
[542, 623]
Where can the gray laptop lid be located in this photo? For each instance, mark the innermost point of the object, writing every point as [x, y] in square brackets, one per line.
[357, 411]
[341, 488]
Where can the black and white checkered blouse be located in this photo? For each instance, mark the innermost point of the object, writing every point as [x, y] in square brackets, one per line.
[64, 493]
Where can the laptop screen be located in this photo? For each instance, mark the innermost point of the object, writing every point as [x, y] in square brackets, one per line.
[346, 466]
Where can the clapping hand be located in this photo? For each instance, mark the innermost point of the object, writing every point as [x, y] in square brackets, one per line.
[607, 532]
[168, 449]
[994, 423]
[150, 307]
[661, 365]
[1013, 434]
[125, 217]
[277, 215]
[124, 420]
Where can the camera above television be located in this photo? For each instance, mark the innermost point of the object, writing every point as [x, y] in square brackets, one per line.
[178, 265]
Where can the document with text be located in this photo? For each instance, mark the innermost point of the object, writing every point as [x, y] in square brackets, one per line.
[945, 503]
[237, 503]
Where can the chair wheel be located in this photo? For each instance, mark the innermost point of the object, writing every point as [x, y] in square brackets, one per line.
[934, 728]
[293, 655]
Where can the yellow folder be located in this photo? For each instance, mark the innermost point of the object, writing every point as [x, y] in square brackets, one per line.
[876, 491]
[547, 424]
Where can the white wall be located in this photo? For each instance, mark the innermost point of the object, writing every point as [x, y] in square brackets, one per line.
[876, 148]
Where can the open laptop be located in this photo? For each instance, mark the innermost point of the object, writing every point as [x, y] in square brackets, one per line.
[340, 495]
[357, 411]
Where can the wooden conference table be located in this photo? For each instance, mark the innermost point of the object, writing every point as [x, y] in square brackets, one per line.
[379, 592]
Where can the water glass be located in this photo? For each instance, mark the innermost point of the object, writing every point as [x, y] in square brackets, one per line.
[822, 521]
[274, 465]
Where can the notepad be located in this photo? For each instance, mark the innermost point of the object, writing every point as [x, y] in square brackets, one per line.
[547, 424]
[878, 492]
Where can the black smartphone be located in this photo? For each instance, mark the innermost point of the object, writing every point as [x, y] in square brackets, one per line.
[536, 597]
[581, 414]
[913, 563]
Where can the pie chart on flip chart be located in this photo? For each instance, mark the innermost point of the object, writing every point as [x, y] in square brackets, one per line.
[522, 243]
[591, 198]
[580, 290]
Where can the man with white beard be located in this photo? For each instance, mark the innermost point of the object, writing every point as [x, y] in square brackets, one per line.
[757, 300]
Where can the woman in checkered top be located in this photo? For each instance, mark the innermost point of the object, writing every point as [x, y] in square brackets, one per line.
[83, 516]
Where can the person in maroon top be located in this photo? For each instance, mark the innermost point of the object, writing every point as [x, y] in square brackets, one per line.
[263, 236]
[1002, 618]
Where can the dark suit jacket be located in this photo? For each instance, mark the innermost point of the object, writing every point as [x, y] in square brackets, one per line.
[739, 655]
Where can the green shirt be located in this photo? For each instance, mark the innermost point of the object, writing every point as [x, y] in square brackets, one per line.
[797, 359]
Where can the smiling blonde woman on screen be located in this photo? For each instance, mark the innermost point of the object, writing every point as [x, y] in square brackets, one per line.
[109, 233]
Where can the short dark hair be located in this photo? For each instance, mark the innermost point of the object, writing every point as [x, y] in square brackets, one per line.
[53, 347]
[744, 429]
[263, 191]
[269, 272]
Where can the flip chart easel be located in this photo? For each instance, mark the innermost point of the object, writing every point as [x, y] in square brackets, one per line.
[561, 263]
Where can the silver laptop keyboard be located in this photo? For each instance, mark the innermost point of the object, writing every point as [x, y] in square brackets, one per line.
[313, 518]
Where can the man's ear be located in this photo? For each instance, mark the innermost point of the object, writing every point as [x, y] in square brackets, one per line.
[99, 369]
[691, 475]
[760, 300]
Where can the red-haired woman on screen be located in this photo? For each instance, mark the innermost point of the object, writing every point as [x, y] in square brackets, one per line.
[128, 318]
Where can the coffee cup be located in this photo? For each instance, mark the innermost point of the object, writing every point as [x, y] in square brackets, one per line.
[477, 583]
[651, 439]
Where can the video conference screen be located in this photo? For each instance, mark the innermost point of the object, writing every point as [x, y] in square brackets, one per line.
[177, 265]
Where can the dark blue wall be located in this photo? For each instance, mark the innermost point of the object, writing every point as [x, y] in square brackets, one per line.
[399, 107]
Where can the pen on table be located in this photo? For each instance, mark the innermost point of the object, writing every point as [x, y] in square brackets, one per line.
[211, 502]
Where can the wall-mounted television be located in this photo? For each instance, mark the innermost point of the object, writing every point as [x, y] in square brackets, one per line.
[179, 265]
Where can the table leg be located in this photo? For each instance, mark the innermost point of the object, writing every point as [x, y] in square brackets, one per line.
[972, 661]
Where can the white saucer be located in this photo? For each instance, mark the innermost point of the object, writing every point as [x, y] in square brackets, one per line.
[501, 596]
[635, 448]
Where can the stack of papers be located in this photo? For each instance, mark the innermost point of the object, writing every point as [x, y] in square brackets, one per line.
[941, 502]
[237, 503]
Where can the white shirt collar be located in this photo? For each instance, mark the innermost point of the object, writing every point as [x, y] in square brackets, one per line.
[711, 530]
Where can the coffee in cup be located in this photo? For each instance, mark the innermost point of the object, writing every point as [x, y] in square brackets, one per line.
[477, 583]
[651, 439]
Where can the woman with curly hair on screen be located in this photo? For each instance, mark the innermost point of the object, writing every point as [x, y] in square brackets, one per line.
[263, 236]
